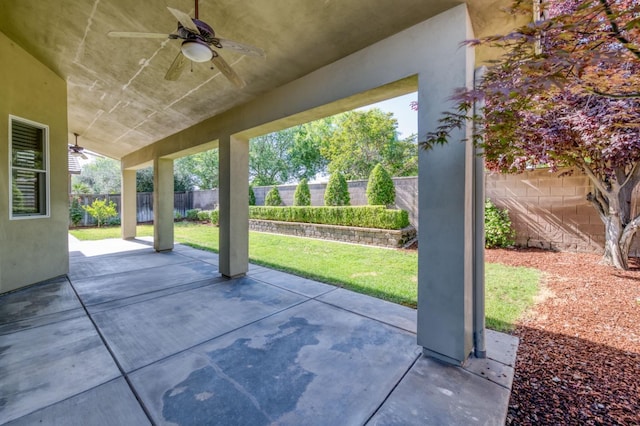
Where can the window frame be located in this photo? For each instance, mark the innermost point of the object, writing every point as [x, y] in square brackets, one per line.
[45, 171]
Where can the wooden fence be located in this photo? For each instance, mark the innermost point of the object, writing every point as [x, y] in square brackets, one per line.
[183, 201]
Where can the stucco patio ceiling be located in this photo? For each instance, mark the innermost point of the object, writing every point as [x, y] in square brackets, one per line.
[118, 100]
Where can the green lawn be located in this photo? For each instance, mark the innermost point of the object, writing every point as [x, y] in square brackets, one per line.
[384, 273]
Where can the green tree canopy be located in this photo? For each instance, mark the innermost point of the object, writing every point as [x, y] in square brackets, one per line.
[288, 155]
[182, 180]
[362, 139]
[102, 176]
[201, 168]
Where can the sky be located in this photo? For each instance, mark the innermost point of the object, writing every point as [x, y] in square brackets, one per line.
[401, 109]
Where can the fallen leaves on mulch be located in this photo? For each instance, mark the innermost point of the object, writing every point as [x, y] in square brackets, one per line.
[579, 355]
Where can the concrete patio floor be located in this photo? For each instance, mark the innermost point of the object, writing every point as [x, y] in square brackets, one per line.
[134, 337]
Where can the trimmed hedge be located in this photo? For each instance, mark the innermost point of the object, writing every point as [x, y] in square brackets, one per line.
[211, 216]
[192, 214]
[359, 216]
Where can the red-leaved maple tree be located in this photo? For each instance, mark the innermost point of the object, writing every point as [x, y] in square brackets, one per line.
[565, 93]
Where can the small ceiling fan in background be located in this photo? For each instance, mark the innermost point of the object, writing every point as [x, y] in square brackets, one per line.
[199, 41]
[76, 150]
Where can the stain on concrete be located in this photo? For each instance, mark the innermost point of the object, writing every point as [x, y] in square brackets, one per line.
[37, 300]
[247, 290]
[251, 381]
[361, 336]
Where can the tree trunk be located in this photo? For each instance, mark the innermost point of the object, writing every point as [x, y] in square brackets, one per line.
[613, 253]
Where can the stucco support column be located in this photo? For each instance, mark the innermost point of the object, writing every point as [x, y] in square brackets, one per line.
[162, 204]
[234, 206]
[480, 350]
[446, 195]
[128, 204]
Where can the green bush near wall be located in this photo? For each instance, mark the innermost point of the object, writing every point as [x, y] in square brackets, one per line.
[359, 216]
[273, 197]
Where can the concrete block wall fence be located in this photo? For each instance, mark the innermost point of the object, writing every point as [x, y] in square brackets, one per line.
[547, 210]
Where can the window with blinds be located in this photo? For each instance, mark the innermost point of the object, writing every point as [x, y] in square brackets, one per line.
[29, 147]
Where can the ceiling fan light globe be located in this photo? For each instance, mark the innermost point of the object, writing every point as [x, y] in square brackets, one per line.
[196, 51]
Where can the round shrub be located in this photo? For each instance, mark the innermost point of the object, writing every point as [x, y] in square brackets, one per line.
[215, 216]
[337, 192]
[497, 227]
[192, 214]
[204, 215]
[380, 189]
[273, 197]
[302, 196]
[252, 196]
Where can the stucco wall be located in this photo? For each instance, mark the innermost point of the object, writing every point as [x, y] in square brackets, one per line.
[550, 210]
[33, 250]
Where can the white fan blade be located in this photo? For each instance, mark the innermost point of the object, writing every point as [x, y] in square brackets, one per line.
[176, 68]
[245, 49]
[124, 34]
[185, 20]
[227, 71]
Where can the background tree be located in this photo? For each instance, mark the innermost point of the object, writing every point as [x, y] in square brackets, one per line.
[182, 180]
[337, 191]
[80, 188]
[102, 176]
[380, 188]
[144, 180]
[202, 168]
[273, 197]
[288, 155]
[269, 158]
[362, 139]
[572, 102]
[302, 196]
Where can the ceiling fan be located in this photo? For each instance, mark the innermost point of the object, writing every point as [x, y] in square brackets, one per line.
[198, 43]
[76, 150]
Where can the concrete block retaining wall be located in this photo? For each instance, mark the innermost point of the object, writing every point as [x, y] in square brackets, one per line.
[369, 236]
[551, 211]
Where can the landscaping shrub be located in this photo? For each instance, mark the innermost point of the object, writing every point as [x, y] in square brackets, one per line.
[75, 211]
[302, 196]
[101, 211]
[192, 214]
[215, 216]
[204, 215]
[380, 188]
[252, 196]
[273, 197]
[337, 192]
[357, 216]
[497, 227]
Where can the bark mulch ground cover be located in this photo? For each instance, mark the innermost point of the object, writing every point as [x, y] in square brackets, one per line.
[579, 355]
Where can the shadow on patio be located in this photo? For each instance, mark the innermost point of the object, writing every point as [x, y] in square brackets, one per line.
[132, 336]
